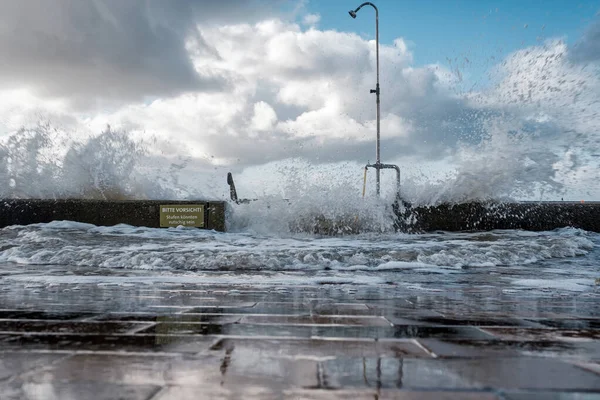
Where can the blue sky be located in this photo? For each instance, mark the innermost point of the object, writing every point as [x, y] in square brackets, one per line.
[438, 30]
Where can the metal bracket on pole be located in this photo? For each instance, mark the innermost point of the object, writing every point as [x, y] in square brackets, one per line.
[379, 166]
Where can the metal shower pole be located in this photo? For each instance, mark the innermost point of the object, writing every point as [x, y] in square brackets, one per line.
[377, 92]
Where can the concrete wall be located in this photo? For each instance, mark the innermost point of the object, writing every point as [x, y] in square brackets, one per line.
[101, 212]
[534, 216]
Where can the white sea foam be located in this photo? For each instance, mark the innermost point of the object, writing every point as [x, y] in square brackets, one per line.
[127, 247]
[571, 285]
[198, 278]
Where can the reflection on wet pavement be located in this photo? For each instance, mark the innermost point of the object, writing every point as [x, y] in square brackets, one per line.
[187, 341]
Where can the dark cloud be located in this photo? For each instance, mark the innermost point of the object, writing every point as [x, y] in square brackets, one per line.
[588, 48]
[246, 151]
[112, 49]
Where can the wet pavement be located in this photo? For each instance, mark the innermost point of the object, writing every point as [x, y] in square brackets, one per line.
[165, 341]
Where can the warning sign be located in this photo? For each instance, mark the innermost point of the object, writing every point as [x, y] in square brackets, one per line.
[182, 214]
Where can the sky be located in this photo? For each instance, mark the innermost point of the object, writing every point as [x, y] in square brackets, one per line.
[439, 28]
[480, 99]
[482, 31]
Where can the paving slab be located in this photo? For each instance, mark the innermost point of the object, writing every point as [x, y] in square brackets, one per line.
[450, 374]
[153, 318]
[132, 370]
[543, 334]
[570, 323]
[510, 348]
[222, 310]
[43, 315]
[303, 306]
[343, 309]
[222, 393]
[235, 369]
[93, 342]
[323, 348]
[68, 327]
[490, 321]
[435, 395]
[315, 320]
[78, 390]
[13, 363]
[535, 395]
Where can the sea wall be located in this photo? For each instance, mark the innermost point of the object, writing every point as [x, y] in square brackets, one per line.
[533, 216]
[148, 213]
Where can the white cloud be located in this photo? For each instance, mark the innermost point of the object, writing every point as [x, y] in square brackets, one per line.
[289, 86]
[311, 19]
[264, 117]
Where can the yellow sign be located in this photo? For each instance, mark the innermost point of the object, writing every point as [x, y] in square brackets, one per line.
[191, 215]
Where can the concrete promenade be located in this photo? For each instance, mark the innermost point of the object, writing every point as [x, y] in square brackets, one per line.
[181, 341]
